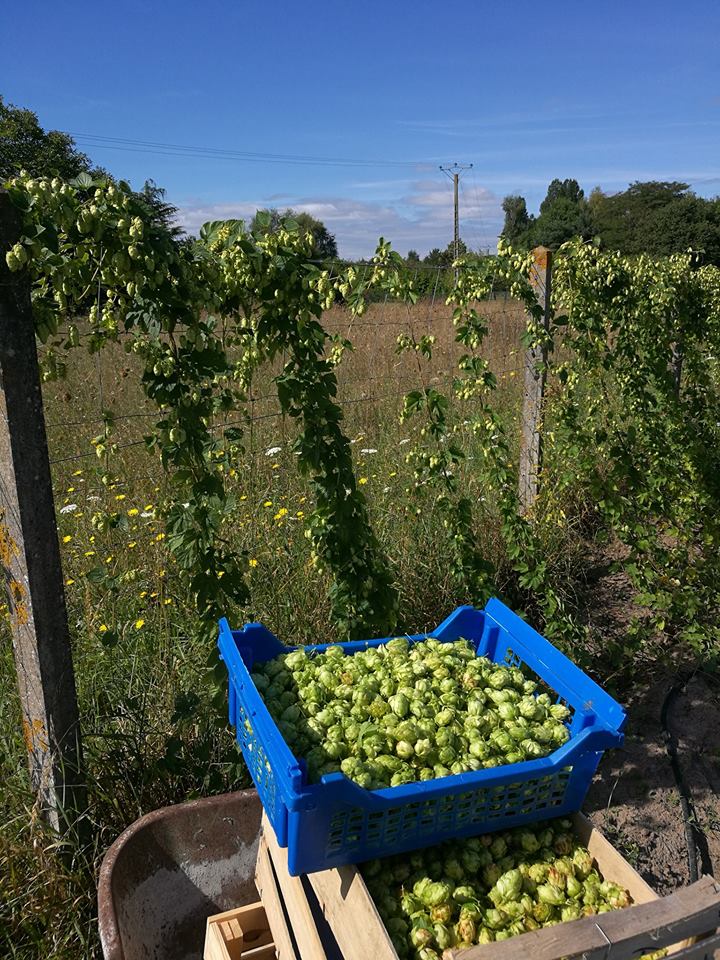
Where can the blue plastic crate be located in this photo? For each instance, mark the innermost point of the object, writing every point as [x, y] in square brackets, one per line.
[335, 821]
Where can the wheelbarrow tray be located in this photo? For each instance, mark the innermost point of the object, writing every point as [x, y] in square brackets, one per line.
[172, 869]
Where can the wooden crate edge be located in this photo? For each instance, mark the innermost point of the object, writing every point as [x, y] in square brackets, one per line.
[225, 940]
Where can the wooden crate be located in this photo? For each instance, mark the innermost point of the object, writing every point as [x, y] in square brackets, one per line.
[651, 923]
[293, 909]
[239, 934]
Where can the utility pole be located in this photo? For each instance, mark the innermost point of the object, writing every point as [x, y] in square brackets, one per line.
[453, 173]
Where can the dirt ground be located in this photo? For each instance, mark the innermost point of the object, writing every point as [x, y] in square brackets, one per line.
[634, 798]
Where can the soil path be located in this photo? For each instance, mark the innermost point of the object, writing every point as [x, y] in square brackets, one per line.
[634, 798]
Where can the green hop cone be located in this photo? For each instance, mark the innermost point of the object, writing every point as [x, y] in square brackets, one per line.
[528, 842]
[575, 888]
[422, 933]
[495, 919]
[508, 887]
[431, 892]
[464, 893]
[444, 936]
[442, 912]
[471, 910]
[466, 929]
[550, 894]
[583, 863]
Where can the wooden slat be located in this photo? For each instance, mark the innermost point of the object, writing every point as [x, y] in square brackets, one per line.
[619, 935]
[352, 915]
[702, 950]
[298, 909]
[270, 895]
[217, 947]
[237, 934]
[261, 953]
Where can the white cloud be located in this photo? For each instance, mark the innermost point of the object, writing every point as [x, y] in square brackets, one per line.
[421, 219]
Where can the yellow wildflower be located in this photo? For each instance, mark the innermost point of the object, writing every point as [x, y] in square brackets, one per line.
[103, 628]
[67, 538]
[139, 624]
[132, 544]
[133, 512]
[268, 503]
[280, 514]
[69, 582]
[159, 537]
[362, 481]
[120, 496]
[253, 562]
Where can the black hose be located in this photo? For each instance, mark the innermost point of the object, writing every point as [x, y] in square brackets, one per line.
[697, 846]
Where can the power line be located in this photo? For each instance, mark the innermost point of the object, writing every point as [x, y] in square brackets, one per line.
[216, 153]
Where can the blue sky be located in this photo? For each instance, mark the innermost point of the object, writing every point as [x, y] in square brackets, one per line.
[605, 93]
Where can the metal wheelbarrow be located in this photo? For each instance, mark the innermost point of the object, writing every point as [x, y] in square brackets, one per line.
[171, 870]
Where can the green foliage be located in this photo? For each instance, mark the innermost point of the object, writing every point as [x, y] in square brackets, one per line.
[438, 456]
[563, 214]
[517, 220]
[92, 235]
[24, 145]
[646, 457]
[324, 246]
[658, 218]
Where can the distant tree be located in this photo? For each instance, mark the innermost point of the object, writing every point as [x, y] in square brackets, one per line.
[269, 221]
[413, 256]
[565, 189]
[436, 258]
[24, 145]
[444, 258]
[564, 213]
[657, 217]
[517, 220]
[163, 213]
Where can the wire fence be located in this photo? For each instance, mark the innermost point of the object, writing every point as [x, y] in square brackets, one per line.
[373, 377]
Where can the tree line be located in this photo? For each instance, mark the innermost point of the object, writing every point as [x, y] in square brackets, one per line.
[655, 217]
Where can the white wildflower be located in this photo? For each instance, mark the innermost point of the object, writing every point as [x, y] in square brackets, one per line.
[368, 450]
[271, 451]
[69, 508]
